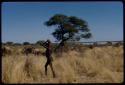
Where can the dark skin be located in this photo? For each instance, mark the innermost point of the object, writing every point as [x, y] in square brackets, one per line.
[48, 53]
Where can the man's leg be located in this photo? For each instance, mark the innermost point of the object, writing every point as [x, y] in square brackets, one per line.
[51, 66]
[46, 67]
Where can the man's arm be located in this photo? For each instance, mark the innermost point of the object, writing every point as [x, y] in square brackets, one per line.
[44, 45]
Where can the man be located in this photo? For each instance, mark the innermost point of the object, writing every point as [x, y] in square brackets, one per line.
[48, 53]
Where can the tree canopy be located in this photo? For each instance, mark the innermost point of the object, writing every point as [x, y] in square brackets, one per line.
[68, 28]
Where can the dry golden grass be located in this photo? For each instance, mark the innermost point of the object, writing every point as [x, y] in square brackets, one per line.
[97, 65]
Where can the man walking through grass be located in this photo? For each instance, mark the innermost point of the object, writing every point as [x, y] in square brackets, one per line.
[48, 54]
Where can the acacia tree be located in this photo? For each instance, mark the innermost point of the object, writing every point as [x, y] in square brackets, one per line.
[68, 28]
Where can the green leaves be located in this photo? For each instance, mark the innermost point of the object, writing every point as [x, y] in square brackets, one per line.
[57, 19]
[76, 21]
[40, 42]
[86, 35]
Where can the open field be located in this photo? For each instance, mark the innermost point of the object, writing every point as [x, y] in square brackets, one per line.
[97, 65]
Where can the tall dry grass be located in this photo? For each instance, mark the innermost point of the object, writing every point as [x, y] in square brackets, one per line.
[97, 65]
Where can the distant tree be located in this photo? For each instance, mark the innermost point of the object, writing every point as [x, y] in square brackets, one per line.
[9, 43]
[26, 43]
[109, 43]
[17, 43]
[3, 43]
[68, 28]
[118, 44]
[40, 42]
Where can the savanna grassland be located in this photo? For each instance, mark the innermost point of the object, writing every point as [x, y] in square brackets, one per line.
[79, 65]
